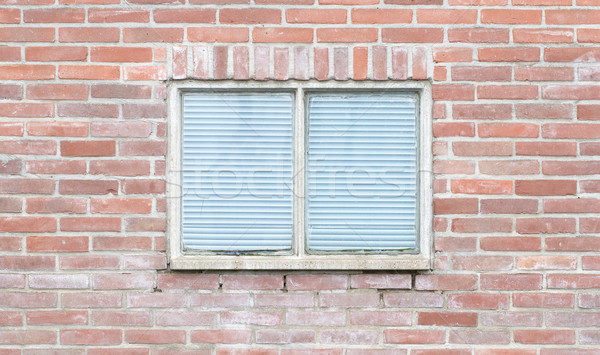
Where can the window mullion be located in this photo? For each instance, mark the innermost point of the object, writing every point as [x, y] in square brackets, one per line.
[299, 174]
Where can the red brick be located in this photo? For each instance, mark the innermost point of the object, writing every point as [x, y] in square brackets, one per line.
[29, 262]
[63, 15]
[455, 206]
[508, 130]
[488, 187]
[293, 300]
[285, 34]
[509, 167]
[11, 167]
[188, 281]
[445, 282]
[482, 262]
[569, 281]
[572, 17]
[185, 15]
[89, 262]
[571, 130]
[23, 337]
[87, 148]
[348, 300]
[10, 16]
[87, 110]
[121, 54]
[120, 205]
[380, 281]
[145, 224]
[214, 300]
[57, 91]
[56, 317]
[96, 15]
[512, 319]
[545, 225]
[88, 187]
[452, 319]
[589, 225]
[477, 73]
[120, 167]
[50, 54]
[572, 205]
[88, 34]
[11, 205]
[11, 129]
[509, 54]
[122, 318]
[587, 300]
[507, 92]
[345, 35]
[316, 282]
[340, 63]
[545, 187]
[543, 73]
[511, 282]
[90, 336]
[510, 243]
[56, 205]
[10, 54]
[462, 16]
[412, 35]
[455, 244]
[224, 336]
[90, 224]
[588, 35]
[372, 16]
[249, 16]
[453, 92]
[481, 225]
[154, 34]
[60, 129]
[218, 34]
[511, 17]
[548, 35]
[123, 281]
[10, 244]
[509, 206]
[27, 34]
[28, 299]
[576, 55]
[397, 336]
[11, 318]
[478, 301]
[572, 244]
[452, 54]
[482, 148]
[11, 91]
[273, 336]
[346, 336]
[543, 300]
[478, 35]
[453, 167]
[481, 111]
[27, 72]
[479, 337]
[589, 186]
[534, 336]
[547, 262]
[122, 243]
[543, 111]
[570, 167]
[453, 129]
[316, 16]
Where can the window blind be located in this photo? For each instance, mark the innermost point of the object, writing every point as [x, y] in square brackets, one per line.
[237, 171]
[361, 172]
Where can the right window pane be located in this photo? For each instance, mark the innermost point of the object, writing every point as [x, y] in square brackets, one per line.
[362, 172]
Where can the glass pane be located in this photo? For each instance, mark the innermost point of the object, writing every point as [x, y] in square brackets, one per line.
[362, 172]
[237, 171]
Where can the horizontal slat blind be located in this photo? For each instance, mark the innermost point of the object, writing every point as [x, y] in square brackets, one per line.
[362, 172]
[237, 171]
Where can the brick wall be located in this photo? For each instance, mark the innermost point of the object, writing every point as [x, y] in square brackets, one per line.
[517, 177]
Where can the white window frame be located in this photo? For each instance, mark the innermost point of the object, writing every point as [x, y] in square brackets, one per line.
[298, 259]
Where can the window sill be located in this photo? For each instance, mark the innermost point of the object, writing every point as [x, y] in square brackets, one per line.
[306, 262]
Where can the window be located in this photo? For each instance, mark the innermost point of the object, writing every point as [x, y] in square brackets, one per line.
[299, 175]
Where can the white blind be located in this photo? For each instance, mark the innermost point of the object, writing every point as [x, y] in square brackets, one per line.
[237, 171]
[362, 172]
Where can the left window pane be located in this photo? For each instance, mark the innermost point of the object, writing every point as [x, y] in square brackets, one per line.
[237, 172]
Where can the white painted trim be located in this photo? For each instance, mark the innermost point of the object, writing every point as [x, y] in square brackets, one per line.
[299, 260]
